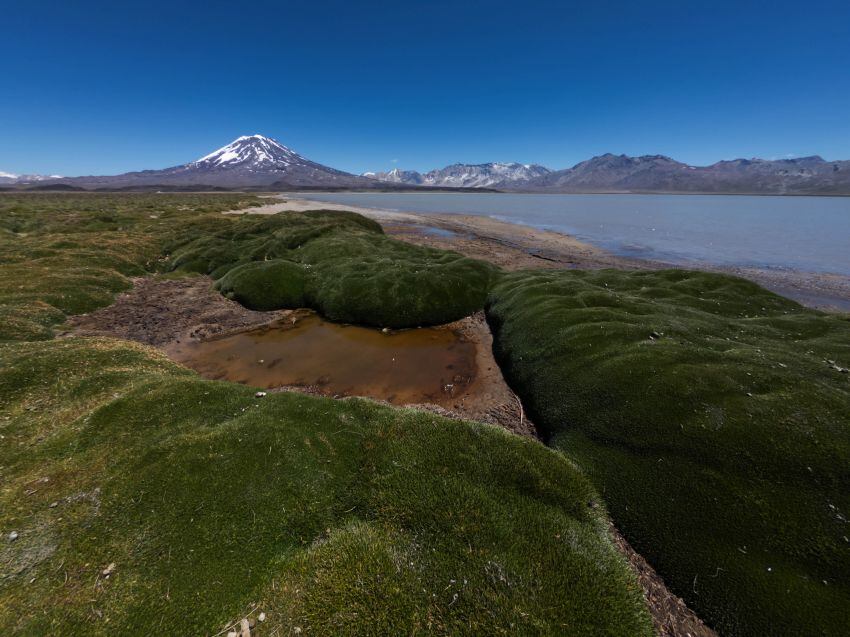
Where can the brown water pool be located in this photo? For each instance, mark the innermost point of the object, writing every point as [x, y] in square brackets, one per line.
[426, 365]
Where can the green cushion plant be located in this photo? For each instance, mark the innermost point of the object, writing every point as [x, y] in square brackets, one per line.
[146, 497]
[714, 418]
[349, 270]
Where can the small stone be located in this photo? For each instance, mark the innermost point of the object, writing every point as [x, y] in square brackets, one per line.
[654, 335]
[53, 505]
[13, 536]
[108, 570]
[259, 394]
[262, 617]
[386, 330]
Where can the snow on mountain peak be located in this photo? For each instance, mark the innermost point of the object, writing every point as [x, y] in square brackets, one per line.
[8, 175]
[494, 174]
[251, 151]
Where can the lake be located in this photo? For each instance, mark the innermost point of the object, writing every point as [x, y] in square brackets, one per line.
[801, 233]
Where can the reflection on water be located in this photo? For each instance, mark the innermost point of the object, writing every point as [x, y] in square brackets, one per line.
[434, 231]
[427, 365]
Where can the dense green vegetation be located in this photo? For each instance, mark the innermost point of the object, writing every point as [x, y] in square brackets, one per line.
[146, 499]
[715, 420]
[68, 254]
[712, 415]
[337, 517]
[265, 285]
[340, 264]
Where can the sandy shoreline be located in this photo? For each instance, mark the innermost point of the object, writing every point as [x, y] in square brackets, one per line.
[514, 246]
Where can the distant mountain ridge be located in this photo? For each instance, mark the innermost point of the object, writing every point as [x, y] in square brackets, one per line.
[262, 163]
[658, 173]
[652, 174]
[11, 178]
[490, 175]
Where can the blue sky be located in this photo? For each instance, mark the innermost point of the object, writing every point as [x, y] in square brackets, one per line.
[107, 87]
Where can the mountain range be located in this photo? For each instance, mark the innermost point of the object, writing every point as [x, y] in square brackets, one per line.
[492, 175]
[10, 178]
[644, 174]
[256, 162]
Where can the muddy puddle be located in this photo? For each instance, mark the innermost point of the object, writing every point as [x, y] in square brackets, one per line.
[427, 365]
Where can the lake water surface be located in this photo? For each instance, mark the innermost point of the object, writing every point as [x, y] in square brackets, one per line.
[801, 233]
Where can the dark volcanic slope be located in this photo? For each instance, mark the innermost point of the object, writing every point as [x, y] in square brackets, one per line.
[249, 161]
[657, 173]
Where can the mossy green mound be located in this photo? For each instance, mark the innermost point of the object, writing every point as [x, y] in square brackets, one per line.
[351, 271]
[146, 499]
[707, 412]
[265, 285]
[373, 280]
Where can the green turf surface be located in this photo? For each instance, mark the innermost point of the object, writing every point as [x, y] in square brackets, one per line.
[334, 517]
[706, 411]
[66, 254]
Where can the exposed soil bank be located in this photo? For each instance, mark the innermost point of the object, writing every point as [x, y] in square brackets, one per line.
[671, 617]
[512, 247]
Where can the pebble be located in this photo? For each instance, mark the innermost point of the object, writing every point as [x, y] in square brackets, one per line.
[259, 394]
[13, 536]
[262, 617]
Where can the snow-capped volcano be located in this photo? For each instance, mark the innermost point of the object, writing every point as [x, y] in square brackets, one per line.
[250, 161]
[254, 152]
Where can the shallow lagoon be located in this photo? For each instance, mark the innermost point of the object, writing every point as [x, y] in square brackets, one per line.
[801, 233]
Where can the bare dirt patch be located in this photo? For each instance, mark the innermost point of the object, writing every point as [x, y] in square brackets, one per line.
[162, 311]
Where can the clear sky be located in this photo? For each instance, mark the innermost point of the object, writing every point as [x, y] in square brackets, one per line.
[105, 87]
